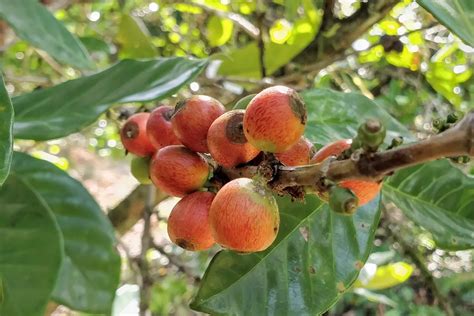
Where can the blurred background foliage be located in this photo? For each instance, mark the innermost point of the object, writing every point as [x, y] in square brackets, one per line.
[408, 63]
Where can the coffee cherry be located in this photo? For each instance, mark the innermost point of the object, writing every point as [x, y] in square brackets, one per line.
[188, 224]
[159, 129]
[365, 191]
[134, 137]
[298, 155]
[331, 149]
[244, 216]
[178, 171]
[192, 119]
[140, 169]
[275, 119]
[226, 140]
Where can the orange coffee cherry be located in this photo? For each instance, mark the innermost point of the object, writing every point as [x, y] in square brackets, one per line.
[188, 224]
[192, 119]
[298, 155]
[226, 140]
[134, 137]
[244, 216]
[365, 191]
[178, 171]
[159, 129]
[275, 119]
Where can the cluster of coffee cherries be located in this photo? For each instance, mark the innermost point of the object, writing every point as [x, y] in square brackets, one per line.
[178, 149]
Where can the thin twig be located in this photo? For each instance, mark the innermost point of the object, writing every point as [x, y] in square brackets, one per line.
[146, 241]
[176, 262]
[50, 61]
[238, 19]
[261, 45]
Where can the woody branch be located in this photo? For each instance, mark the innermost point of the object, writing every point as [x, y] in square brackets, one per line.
[456, 141]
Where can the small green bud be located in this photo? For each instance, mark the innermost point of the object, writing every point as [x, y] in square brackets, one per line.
[397, 141]
[140, 169]
[438, 124]
[342, 200]
[371, 134]
[453, 117]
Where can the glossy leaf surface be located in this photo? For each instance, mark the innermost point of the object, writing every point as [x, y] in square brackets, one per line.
[68, 107]
[90, 270]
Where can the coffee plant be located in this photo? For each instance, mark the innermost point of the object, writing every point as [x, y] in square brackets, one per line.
[304, 146]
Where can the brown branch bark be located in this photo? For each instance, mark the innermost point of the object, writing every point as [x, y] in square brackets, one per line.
[326, 48]
[456, 141]
[128, 212]
[146, 280]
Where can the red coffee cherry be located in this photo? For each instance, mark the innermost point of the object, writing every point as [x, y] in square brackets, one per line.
[134, 137]
[192, 119]
[275, 119]
[177, 171]
[226, 140]
[365, 191]
[159, 128]
[244, 216]
[188, 224]
[298, 155]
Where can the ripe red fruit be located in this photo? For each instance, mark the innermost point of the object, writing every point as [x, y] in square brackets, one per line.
[134, 137]
[275, 119]
[178, 171]
[244, 216]
[226, 140]
[365, 191]
[188, 224]
[192, 119]
[159, 129]
[298, 155]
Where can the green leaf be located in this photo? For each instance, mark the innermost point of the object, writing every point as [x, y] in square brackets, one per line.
[438, 197]
[6, 125]
[35, 24]
[219, 31]
[456, 15]
[31, 250]
[68, 107]
[134, 38]
[242, 103]
[386, 276]
[91, 268]
[316, 257]
[245, 61]
[336, 115]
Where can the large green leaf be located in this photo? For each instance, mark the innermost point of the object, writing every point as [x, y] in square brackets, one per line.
[134, 38]
[91, 268]
[336, 115]
[66, 108]
[438, 197]
[6, 124]
[315, 259]
[35, 24]
[31, 250]
[456, 15]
